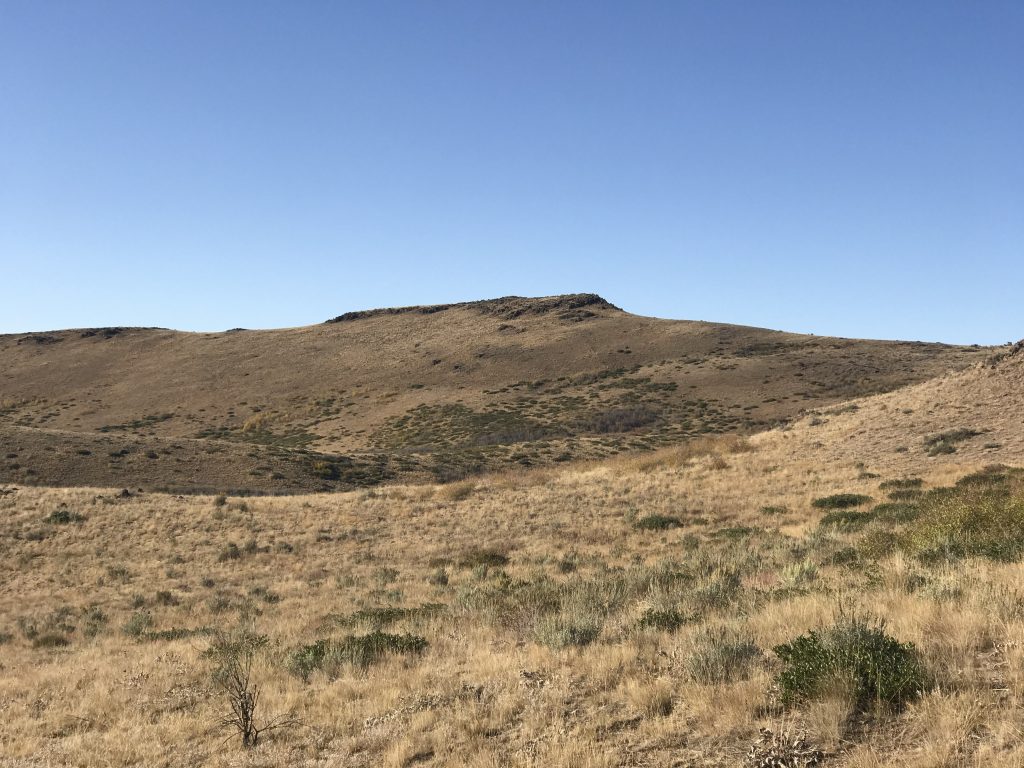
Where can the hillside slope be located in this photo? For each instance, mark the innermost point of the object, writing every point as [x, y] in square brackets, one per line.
[971, 416]
[439, 391]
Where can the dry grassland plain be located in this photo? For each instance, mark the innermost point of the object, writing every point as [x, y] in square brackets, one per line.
[635, 611]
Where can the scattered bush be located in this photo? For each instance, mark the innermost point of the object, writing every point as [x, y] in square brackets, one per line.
[165, 597]
[490, 557]
[657, 523]
[903, 484]
[385, 616]
[359, 651]
[945, 442]
[667, 620]
[64, 516]
[137, 624]
[847, 519]
[851, 657]
[841, 501]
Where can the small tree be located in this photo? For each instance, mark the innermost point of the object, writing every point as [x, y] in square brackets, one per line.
[233, 654]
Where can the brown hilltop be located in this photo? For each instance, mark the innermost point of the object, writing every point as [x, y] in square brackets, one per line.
[437, 391]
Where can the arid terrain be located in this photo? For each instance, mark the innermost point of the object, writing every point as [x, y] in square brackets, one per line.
[831, 576]
[417, 393]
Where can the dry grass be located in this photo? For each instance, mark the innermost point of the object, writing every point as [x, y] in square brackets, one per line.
[534, 662]
[596, 643]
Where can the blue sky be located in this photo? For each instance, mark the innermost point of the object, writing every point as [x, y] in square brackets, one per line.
[846, 168]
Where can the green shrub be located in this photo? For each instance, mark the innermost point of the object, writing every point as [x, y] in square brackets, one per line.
[945, 442]
[995, 474]
[359, 651]
[905, 495]
[657, 523]
[848, 519]
[137, 624]
[841, 501]
[667, 621]
[175, 633]
[903, 484]
[896, 512]
[969, 520]
[64, 516]
[720, 655]
[385, 616]
[851, 657]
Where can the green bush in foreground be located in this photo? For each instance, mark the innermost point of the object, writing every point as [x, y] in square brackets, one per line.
[854, 658]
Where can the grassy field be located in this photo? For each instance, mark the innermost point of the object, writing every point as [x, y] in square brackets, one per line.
[843, 590]
[636, 611]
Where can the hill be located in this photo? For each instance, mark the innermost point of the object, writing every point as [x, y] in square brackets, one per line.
[439, 392]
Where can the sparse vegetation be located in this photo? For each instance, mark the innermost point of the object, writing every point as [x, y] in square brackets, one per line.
[618, 608]
[841, 501]
[946, 442]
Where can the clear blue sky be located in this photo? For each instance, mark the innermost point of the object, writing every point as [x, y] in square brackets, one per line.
[848, 168]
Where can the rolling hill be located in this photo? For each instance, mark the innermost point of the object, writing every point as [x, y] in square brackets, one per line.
[435, 392]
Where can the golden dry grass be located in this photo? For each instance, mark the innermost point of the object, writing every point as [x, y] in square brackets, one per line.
[501, 682]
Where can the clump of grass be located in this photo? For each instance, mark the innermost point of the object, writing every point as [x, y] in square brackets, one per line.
[559, 631]
[945, 442]
[657, 523]
[64, 516]
[841, 501]
[458, 491]
[720, 655]
[483, 556]
[359, 651]
[855, 658]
